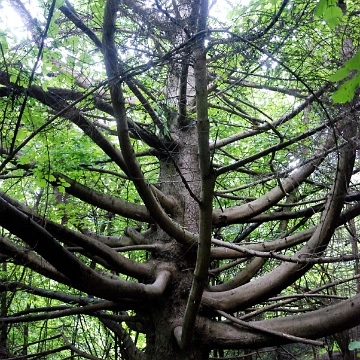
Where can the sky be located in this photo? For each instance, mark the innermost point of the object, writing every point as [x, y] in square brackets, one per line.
[10, 19]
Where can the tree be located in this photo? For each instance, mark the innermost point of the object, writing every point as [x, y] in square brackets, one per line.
[177, 169]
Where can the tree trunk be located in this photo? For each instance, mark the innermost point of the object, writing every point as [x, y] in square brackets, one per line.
[167, 313]
[161, 343]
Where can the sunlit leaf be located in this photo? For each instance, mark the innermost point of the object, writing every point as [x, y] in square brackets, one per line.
[21, 134]
[347, 90]
[339, 75]
[354, 62]
[320, 8]
[333, 16]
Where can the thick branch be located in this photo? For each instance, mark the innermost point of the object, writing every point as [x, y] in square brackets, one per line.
[23, 256]
[283, 242]
[255, 207]
[311, 325]
[287, 273]
[106, 202]
[142, 186]
[80, 275]
[118, 262]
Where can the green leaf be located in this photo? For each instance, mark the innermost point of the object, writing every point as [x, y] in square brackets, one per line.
[354, 62]
[320, 8]
[347, 90]
[53, 29]
[342, 73]
[64, 183]
[50, 177]
[21, 134]
[354, 345]
[13, 78]
[40, 182]
[333, 16]
[72, 41]
[24, 160]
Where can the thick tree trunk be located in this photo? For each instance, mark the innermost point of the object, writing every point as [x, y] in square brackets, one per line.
[167, 313]
[161, 343]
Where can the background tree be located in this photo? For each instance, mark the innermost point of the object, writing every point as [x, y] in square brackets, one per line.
[177, 180]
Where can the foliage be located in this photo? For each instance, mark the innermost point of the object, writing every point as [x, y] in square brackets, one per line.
[178, 179]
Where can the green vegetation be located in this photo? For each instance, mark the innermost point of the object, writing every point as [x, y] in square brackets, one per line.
[179, 179]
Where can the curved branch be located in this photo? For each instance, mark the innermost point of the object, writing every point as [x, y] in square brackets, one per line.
[241, 277]
[225, 252]
[287, 273]
[81, 276]
[142, 186]
[255, 207]
[311, 325]
[106, 202]
[117, 262]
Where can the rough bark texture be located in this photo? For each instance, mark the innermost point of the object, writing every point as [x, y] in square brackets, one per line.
[196, 216]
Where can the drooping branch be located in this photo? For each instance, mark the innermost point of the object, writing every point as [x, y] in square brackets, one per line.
[117, 262]
[22, 256]
[264, 202]
[80, 275]
[287, 273]
[310, 325]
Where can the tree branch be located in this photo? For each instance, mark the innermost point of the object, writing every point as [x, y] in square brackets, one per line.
[207, 188]
[287, 273]
[135, 172]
